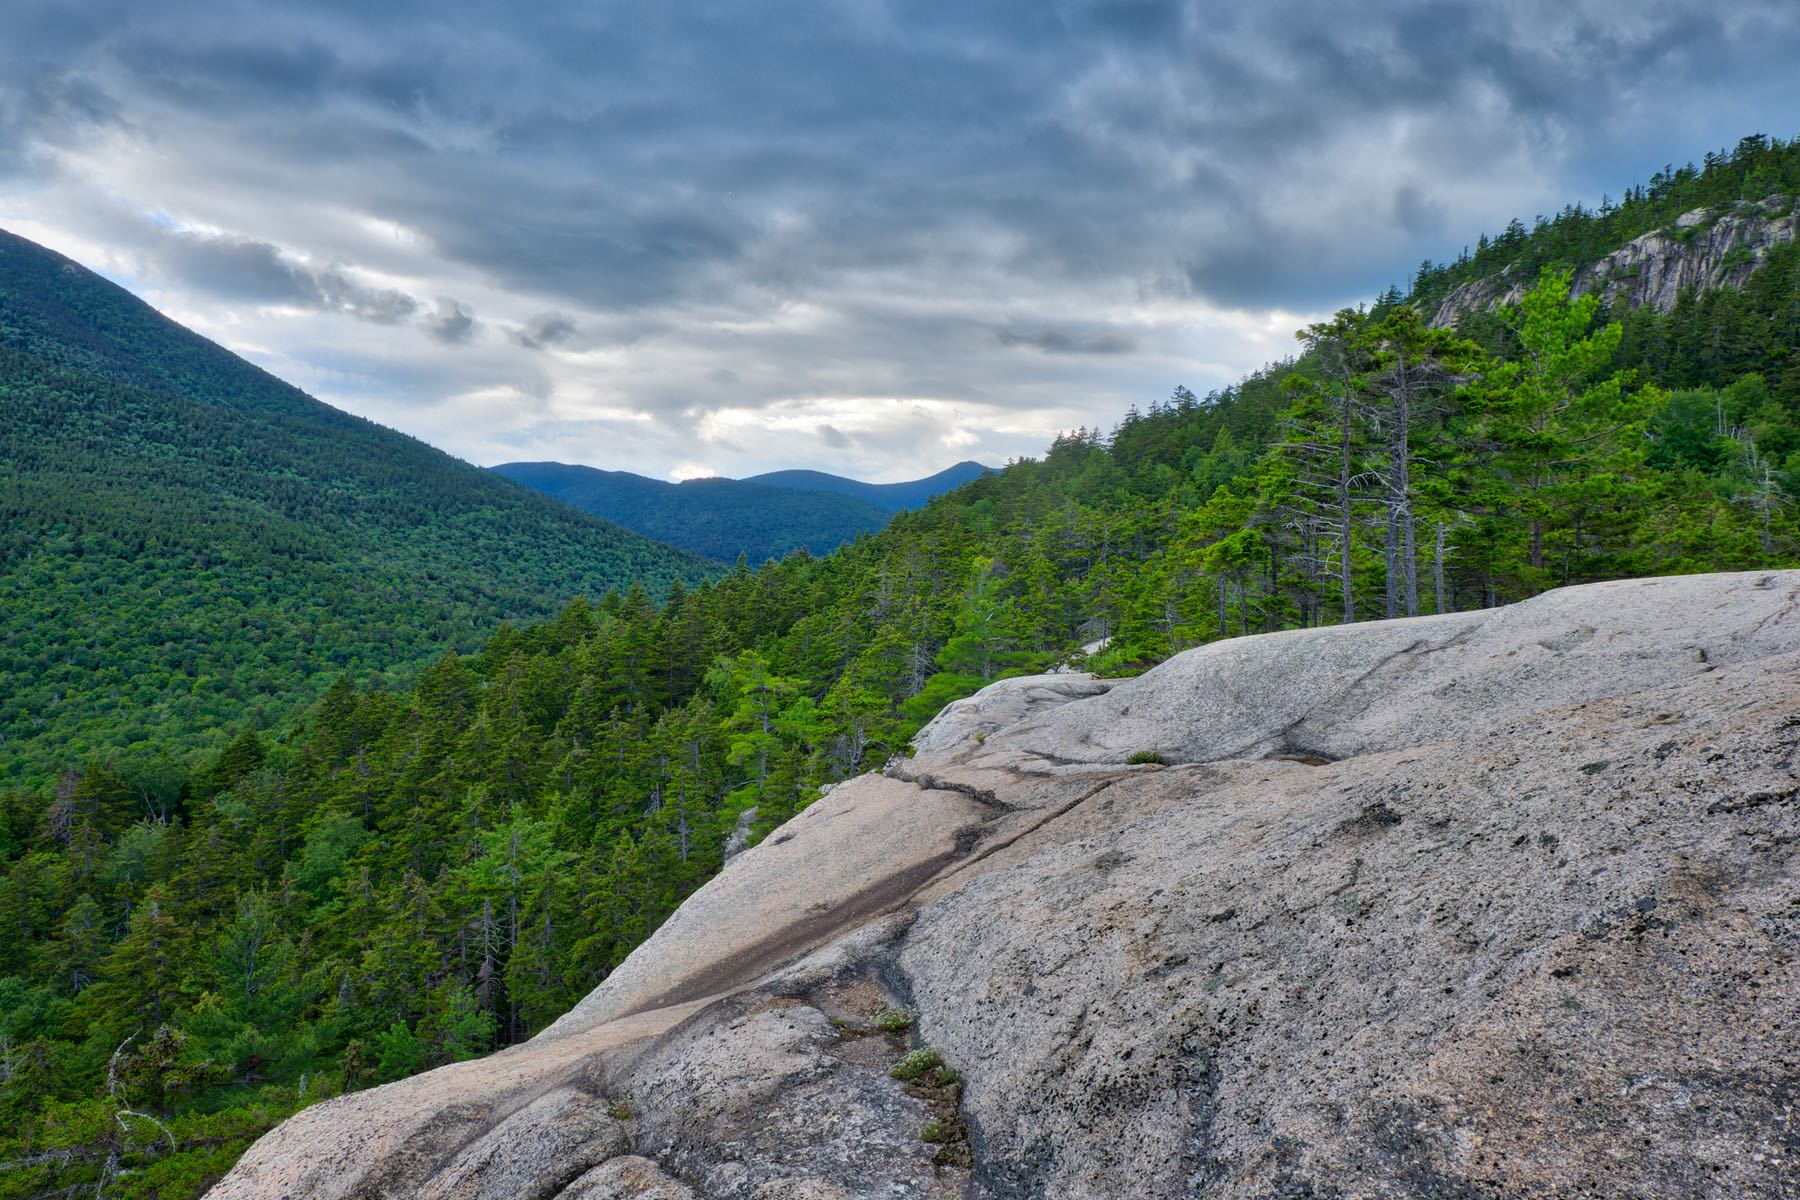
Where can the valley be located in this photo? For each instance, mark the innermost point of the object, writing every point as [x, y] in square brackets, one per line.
[1435, 738]
[758, 519]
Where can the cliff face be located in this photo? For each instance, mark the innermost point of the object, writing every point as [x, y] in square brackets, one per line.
[1706, 248]
[1490, 904]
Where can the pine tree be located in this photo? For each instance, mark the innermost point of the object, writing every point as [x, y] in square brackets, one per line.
[73, 959]
[1569, 432]
[1326, 445]
[146, 976]
[1415, 368]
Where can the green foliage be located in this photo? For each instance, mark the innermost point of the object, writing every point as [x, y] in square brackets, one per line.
[188, 544]
[893, 1020]
[1143, 757]
[441, 859]
[1756, 170]
[916, 1064]
[398, 1053]
[1566, 437]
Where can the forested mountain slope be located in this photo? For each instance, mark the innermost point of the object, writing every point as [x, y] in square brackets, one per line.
[1705, 249]
[718, 518]
[760, 518]
[185, 540]
[1758, 169]
[426, 873]
[1700, 264]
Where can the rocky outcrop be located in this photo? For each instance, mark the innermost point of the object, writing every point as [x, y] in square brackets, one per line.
[1492, 904]
[1704, 249]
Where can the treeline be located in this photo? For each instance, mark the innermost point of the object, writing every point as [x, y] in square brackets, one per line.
[1414, 472]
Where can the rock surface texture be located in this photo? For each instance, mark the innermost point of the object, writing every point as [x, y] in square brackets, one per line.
[1495, 904]
[1704, 249]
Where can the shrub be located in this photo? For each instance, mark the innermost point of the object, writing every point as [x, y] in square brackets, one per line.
[916, 1064]
[1139, 757]
[893, 1020]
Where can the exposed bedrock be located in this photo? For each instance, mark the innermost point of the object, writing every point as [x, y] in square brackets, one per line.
[1487, 905]
[1704, 249]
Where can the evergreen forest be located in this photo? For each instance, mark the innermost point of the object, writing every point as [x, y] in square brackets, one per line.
[188, 544]
[421, 868]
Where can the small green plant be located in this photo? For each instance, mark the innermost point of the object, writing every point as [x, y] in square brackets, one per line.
[1139, 757]
[893, 1020]
[621, 1111]
[933, 1132]
[916, 1064]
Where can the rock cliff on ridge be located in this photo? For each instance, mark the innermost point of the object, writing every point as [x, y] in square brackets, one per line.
[1705, 248]
[1502, 903]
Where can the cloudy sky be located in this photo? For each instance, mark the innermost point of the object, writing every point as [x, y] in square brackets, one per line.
[872, 236]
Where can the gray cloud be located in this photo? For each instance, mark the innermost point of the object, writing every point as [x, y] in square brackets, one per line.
[236, 268]
[1022, 214]
[545, 329]
[44, 106]
[1417, 212]
[451, 322]
[383, 306]
[1063, 341]
[239, 268]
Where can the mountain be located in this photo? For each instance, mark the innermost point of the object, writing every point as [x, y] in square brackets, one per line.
[718, 518]
[415, 872]
[1453, 906]
[890, 497]
[1701, 265]
[1702, 250]
[187, 542]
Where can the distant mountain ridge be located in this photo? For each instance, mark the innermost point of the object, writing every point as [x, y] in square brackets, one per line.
[185, 538]
[892, 497]
[763, 517]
